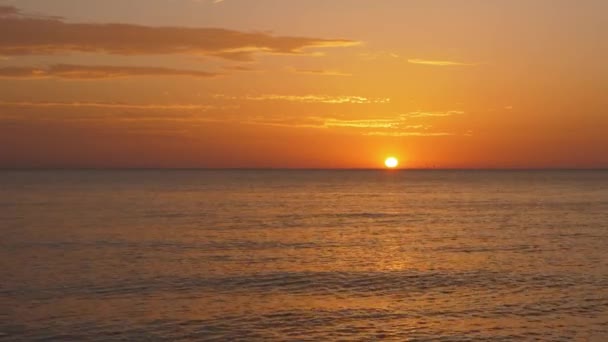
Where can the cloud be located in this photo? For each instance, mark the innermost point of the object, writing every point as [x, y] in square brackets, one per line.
[315, 99]
[311, 122]
[397, 126]
[384, 123]
[320, 72]
[8, 11]
[371, 123]
[29, 35]
[95, 72]
[191, 115]
[432, 114]
[379, 127]
[409, 134]
[322, 122]
[239, 68]
[437, 63]
[112, 105]
[237, 56]
[373, 55]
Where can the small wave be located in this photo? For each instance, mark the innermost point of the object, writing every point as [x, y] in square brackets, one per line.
[325, 283]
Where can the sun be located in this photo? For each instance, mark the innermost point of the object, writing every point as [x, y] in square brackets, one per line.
[391, 162]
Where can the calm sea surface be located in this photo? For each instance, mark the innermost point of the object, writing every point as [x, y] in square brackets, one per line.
[304, 255]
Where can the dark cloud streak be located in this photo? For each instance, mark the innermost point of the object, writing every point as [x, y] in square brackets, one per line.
[6, 11]
[30, 35]
[95, 72]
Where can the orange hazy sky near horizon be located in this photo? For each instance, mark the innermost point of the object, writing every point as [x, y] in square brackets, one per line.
[303, 83]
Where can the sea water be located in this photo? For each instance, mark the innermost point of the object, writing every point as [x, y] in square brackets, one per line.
[303, 255]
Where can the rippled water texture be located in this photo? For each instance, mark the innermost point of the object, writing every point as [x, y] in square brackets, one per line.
[303, 255]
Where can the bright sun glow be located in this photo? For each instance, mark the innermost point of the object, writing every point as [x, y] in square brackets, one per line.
[391, 162]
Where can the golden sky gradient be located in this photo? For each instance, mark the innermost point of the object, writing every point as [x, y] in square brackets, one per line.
[303, 83]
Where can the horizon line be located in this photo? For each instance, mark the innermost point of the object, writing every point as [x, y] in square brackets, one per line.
[299, 169]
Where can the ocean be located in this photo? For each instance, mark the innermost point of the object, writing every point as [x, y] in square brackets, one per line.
[275, 255]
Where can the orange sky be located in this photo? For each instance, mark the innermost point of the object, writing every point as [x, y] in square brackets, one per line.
[303, 83]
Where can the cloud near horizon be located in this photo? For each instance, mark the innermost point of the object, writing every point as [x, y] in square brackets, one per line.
[22, 34]
[191, 115]
[378, 127]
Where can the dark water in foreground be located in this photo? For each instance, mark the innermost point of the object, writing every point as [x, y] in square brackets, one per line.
[303, 255]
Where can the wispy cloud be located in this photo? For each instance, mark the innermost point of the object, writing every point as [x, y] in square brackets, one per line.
[94, 72]
[310, 98]
[187, 116]
[319, 99]
[320, 72]
[369, 123]
[368, 127]
[239, 68]
[398, 122]
[112, 105]
[55, 36]
[409, 134]
[9, 11]
[420, 114]
[397, 126]
[437, 63]
[373, 55]
[311, 122]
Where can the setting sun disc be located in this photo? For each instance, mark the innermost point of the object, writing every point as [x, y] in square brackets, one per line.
[391, 162]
